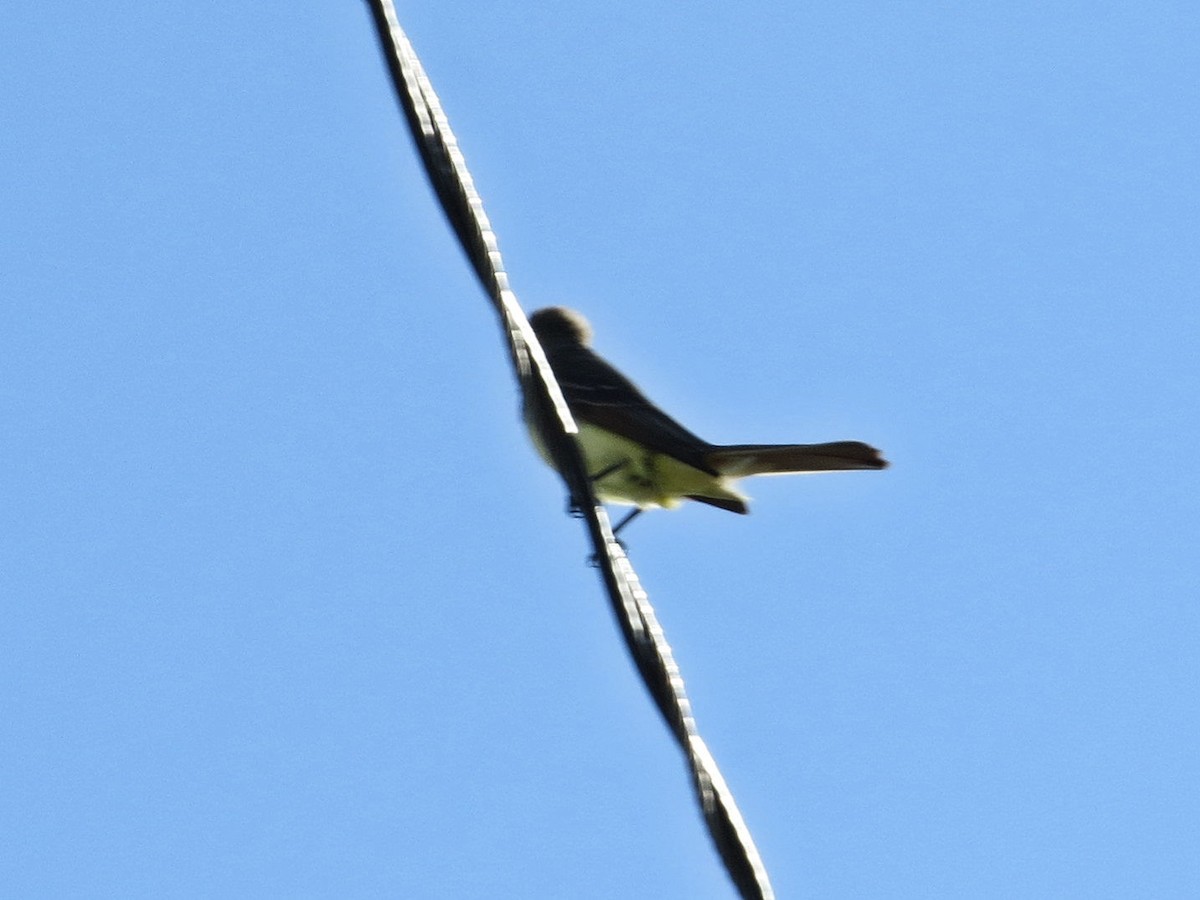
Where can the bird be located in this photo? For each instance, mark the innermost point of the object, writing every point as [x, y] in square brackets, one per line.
[638, 455]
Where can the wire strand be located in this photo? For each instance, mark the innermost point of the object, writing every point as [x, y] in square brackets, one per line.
[644, 637]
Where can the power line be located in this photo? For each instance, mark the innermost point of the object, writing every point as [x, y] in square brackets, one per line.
[452, 183]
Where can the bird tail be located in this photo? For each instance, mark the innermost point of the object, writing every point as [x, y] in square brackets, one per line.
[738, 460]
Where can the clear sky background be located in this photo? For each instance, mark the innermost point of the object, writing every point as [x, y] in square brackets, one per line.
[291, 608]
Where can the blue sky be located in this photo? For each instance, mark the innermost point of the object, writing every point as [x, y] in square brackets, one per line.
[292, 609]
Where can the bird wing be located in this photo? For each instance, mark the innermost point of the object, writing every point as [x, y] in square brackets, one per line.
[600, 395]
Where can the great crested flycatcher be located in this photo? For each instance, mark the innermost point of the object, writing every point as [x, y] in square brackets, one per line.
[639, 455]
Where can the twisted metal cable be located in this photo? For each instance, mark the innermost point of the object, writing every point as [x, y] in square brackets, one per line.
[452, 183]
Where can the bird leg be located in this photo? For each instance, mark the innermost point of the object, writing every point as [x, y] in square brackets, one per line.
[604, 473]
[637, 511]
[575, 508]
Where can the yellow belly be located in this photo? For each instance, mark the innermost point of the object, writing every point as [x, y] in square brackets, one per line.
[641, 477]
